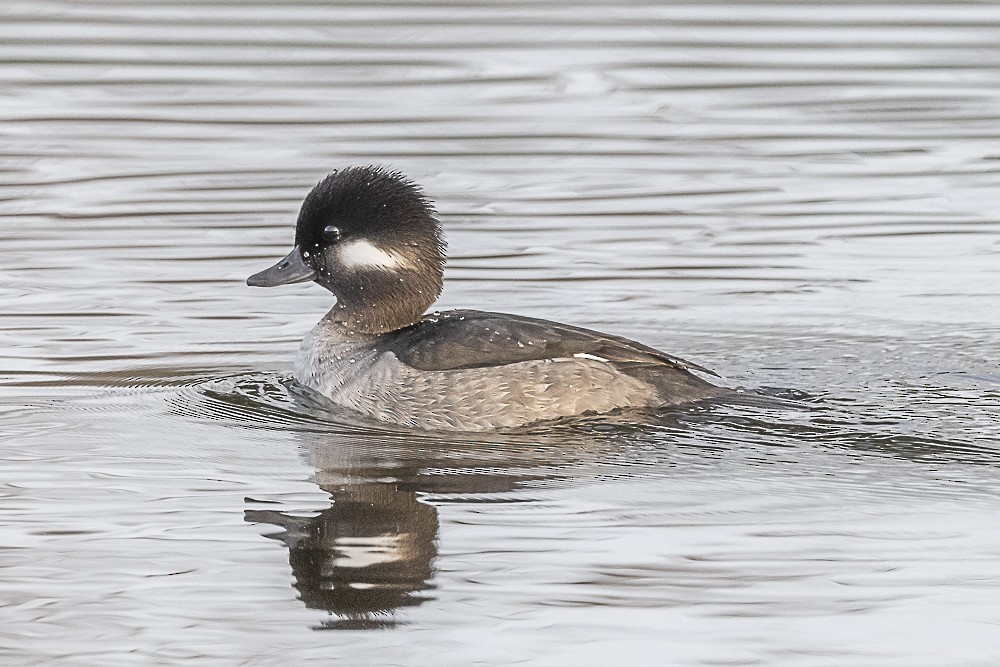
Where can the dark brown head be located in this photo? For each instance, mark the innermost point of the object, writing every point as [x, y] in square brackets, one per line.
[371, 237]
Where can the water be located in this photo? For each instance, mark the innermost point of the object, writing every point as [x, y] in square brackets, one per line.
[801, 197]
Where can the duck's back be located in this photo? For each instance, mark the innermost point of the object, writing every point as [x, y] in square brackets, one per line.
[474, 370]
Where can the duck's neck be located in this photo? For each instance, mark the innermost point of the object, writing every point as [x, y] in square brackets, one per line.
[357, 320]
[373, 302]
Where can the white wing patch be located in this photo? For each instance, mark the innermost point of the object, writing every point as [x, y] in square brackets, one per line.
[593, 357]
[365, 255]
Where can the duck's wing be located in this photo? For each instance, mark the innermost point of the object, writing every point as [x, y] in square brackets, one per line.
[475, 339]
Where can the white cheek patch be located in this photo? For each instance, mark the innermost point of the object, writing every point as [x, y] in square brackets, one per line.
[365, 255]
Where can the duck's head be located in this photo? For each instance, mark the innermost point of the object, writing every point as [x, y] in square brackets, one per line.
[371, 237]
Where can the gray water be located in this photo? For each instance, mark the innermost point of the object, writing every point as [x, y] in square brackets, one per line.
[802, 197]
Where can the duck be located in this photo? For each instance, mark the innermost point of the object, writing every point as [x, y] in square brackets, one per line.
[372, 237]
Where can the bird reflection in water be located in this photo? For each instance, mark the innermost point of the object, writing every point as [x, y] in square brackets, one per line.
[372, 550]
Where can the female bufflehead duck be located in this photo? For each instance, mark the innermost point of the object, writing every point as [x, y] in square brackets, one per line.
[373, 239]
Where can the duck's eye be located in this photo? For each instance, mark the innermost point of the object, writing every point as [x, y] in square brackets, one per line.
[331, 233]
